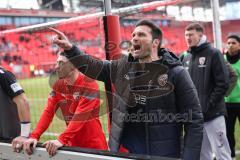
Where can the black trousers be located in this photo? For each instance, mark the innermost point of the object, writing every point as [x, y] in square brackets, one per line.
[233, 113]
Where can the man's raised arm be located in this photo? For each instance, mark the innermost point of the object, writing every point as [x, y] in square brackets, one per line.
[93, 68]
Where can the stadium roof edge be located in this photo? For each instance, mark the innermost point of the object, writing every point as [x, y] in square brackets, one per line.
[36, 13]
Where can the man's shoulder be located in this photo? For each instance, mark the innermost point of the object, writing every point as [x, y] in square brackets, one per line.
[5, 73]
[124, 58]
[184, 55]
[120, 62]
[209, 49]
[176, 68]
[2, 70]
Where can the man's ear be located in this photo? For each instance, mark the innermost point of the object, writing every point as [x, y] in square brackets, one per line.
[156, 42]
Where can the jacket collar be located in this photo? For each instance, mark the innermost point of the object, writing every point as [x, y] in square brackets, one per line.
[196, 49]
[203, 39]
[167, 58]
[233, 59]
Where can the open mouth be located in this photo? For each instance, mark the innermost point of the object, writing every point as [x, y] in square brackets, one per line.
[137, 48]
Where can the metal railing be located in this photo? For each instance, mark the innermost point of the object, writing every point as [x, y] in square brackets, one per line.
[70, 153]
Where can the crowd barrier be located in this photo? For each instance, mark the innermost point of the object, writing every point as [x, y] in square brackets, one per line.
[70, 153]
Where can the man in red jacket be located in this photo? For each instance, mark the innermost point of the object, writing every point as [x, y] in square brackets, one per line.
[77, 97]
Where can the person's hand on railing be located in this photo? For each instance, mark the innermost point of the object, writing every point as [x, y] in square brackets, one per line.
[17, 143]
[29, 145]
[61, 40]
[52, 146]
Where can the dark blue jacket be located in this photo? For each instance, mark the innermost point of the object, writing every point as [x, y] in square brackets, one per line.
[209, 74]
[145, 94]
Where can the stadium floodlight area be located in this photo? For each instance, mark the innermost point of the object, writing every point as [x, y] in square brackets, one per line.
[73, 153]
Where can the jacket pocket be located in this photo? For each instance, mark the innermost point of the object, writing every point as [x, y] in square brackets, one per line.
[205, 103]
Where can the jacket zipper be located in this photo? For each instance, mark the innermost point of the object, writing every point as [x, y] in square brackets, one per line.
[146, 124]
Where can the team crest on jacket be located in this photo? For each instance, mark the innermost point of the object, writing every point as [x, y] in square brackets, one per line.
[202, 61]
[162, 80]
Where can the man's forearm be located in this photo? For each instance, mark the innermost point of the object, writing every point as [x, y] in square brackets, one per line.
[23, 113]
[91, 67]
[23, 107]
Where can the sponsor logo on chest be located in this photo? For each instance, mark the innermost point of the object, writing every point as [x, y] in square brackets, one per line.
[162, 80]
[202, 62]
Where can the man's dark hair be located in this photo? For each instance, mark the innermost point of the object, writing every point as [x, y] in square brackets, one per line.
[195, 26]
[234, 36]
[156, 31]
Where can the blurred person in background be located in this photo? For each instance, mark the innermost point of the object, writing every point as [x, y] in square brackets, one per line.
[209, 74]
[233, 99]
[14, 110]
[77, 98]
